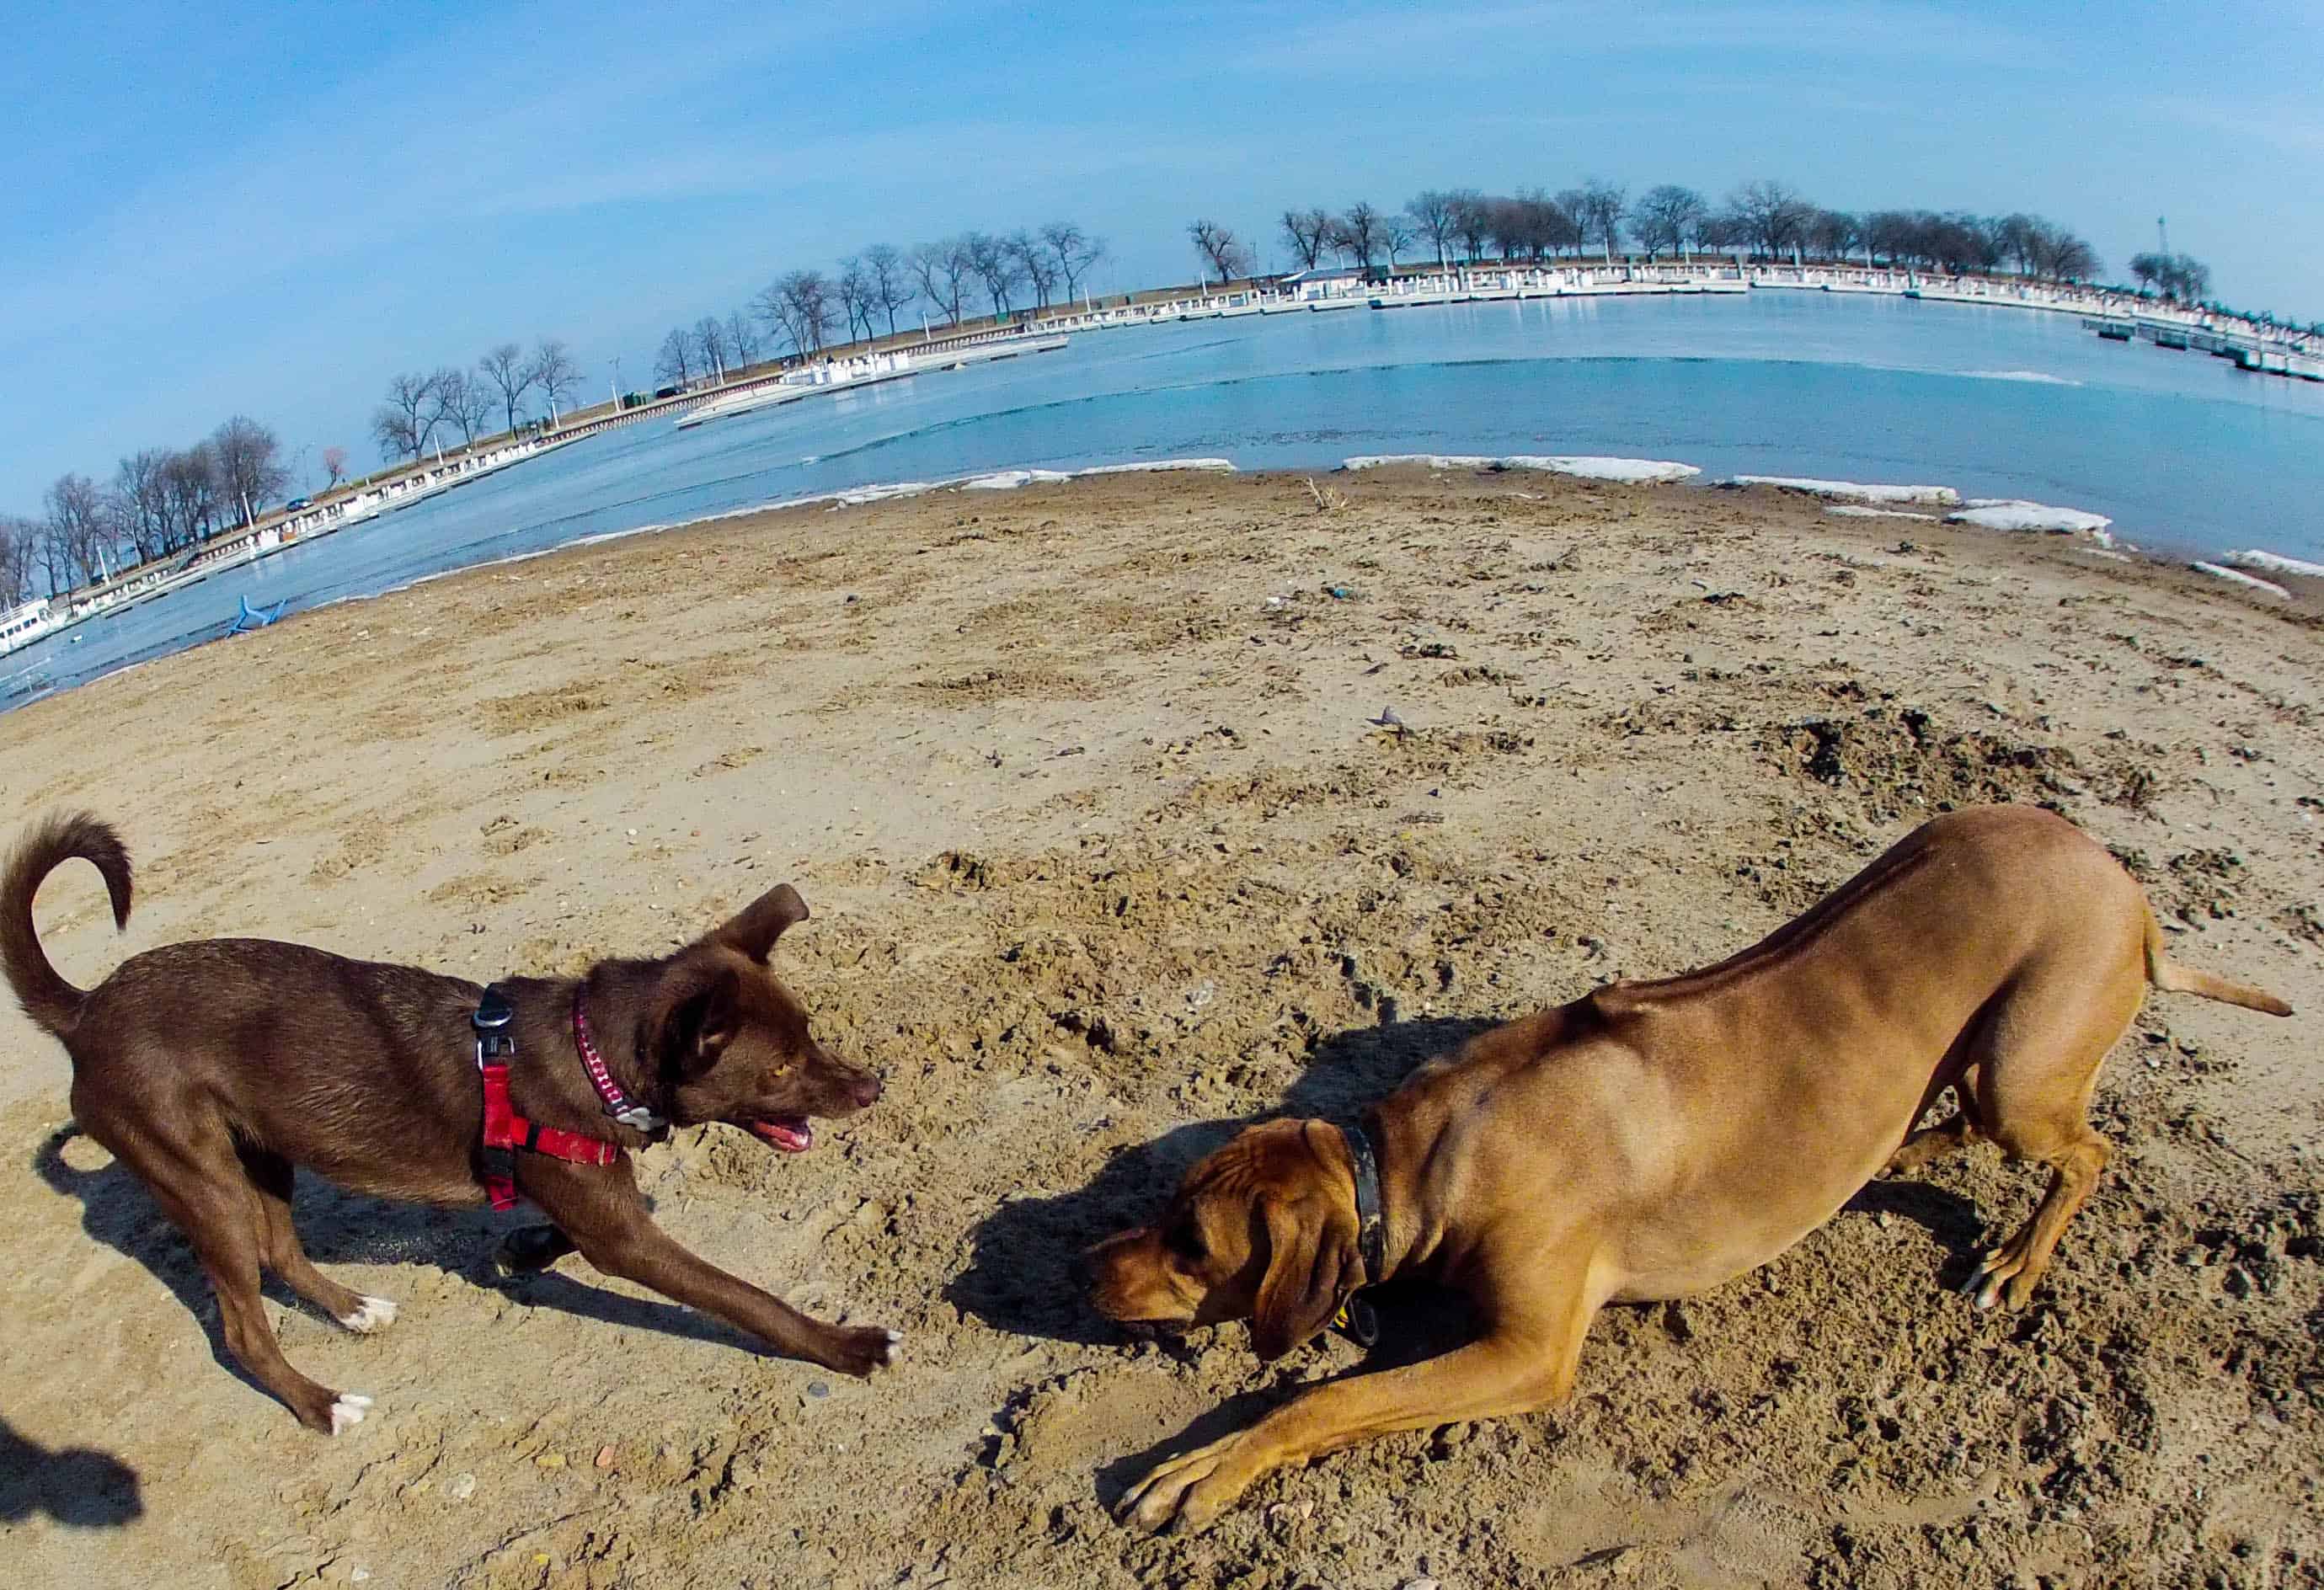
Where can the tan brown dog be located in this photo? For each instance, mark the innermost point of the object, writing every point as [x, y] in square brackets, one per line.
[1651, 1140]
[211, 1069]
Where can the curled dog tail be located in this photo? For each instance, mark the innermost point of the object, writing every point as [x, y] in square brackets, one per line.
[2169, 976]
[55, 840]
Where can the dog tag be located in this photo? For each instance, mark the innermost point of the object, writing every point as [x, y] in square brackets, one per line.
[1357, 1318]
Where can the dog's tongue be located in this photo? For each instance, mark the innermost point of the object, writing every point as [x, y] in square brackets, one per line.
[792, 1135]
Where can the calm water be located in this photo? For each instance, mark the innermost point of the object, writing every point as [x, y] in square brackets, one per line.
[2183, 451]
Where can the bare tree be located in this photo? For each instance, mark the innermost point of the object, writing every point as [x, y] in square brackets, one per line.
[712, 354]
[857, 298]
[190, 495]
[1074, 252]
[1034, 264]
[1774, 218]
[1832, 234]
[1397, 236]
[554, 373]
[1221, 249]
[942, 269]
[798, 307]
[141, 498]
[1310, 233]
[1471, 215]
[742, 336]
[465, 403]
[505, 367]
[1434, 215]
[248, 459]
[1668, 219]
[994, 265]
[674, 364]
[335, 466]
[18, 538]
[82, 524]
[1598, 207]
[891, 280]
[1357, 234]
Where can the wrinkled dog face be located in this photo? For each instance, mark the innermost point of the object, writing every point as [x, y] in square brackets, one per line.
[1263, 1230]
[734, 1040]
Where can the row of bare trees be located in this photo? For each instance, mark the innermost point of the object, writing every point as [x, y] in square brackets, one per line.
[804, 313]
[450, 405]
[1765, 219]
[159, 501]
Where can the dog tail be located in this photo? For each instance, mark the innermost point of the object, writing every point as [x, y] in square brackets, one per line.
[55, 840]
[2169, 976]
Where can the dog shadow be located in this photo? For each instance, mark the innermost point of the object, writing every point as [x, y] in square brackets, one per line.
[78, 1487]
[1019, 1277]
[338, 1228]
[1945, 1215]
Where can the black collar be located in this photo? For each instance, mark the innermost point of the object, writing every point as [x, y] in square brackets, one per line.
[1371, 1225]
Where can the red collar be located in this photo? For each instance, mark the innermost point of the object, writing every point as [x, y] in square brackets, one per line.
[636, 1116]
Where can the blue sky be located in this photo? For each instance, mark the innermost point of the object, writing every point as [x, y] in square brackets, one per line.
[271, 210]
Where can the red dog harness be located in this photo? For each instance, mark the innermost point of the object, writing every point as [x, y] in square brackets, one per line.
[506, 1131]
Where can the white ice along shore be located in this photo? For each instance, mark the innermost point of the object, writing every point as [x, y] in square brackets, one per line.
[2011, 513]
[1589, 467]
[2238, 576]
[2275, 563]
[1859, 511]
[1851, 491]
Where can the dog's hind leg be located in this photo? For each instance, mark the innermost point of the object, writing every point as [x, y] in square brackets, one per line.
[2033, 1093]
[1948, 1136]
[199, 1183]
[271, 1178]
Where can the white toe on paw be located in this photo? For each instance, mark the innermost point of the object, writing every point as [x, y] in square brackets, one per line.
[348, 1411]
[372, 1314]
[894, 1337]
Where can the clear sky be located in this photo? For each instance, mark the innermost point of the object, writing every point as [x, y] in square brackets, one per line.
[274, 208]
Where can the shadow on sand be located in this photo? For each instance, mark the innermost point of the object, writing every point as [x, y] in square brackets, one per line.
[79, 1488]
[342, 1228]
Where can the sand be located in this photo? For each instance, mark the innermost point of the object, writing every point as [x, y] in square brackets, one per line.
[1105, 858]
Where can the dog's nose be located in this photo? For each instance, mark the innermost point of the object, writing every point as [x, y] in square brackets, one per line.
[867, 1090]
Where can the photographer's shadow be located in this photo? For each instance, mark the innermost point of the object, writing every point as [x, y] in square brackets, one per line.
[1019, 1278]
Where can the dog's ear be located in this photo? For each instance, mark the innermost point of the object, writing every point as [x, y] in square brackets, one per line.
[696, 1016]
[754, 929]
[1314, 1262]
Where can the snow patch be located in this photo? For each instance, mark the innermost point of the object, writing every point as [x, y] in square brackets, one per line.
[1008, 480]
[2011, 513]
[1858, 510]
[2240, 578]
[2275, 563]
[1591, 467]
[2031, 375]
[1853, 491]
[1214, 465]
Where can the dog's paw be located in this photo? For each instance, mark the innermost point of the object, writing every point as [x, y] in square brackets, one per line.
[859, 1349]
[348, 1411]
[372, 1314]
[1186, 1495]
[528, 1251]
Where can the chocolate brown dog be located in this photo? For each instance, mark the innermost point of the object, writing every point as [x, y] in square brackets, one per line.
[1651, 1140]
[211, 1068]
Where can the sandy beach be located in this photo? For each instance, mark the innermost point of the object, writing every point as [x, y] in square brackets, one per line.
[1107, 856]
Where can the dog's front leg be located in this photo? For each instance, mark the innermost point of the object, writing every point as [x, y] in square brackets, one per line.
[1519, 1366]
[606, 1220]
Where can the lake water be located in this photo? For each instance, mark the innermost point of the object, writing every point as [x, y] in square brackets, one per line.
[2183, 451]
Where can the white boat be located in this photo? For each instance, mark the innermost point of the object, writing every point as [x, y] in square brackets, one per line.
[22, 626]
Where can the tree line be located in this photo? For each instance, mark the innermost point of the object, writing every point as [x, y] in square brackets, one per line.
[160, 501]
[1766, 220]
[427, 411]
[803, 312]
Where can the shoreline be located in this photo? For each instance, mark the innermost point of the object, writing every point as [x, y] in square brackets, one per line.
[2004, 517]
[1107, 850]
